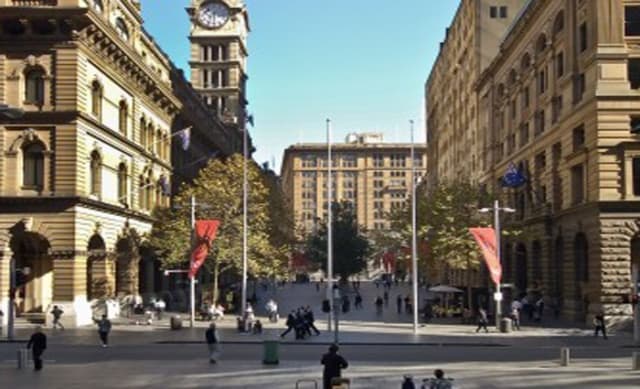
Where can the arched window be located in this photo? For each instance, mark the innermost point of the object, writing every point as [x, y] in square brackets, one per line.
[558, 24]
[96, 99]
[96, 173]
[526, 61]
[122, 183]
[33, 165]
[122, 29]
[142, 194]
[158, 143]
[167, 147]
[148, 189]
[541, 43]
[513, 77]
[150, 137]
[34, 86]
[143, 132]
[123, 110]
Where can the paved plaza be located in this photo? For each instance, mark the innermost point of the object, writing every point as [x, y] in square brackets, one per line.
[381, 349]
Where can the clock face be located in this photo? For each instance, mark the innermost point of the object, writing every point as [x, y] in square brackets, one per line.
[213, 15]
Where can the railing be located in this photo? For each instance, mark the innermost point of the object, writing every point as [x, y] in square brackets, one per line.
[31, 3]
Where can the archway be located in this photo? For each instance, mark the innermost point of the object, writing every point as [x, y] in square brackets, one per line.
[96, 279]
[34, 269]
[581, 268]
[521, 268]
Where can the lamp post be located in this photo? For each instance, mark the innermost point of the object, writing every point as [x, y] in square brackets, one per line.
[330, 229]
[496, 225]
[245, 226]
[414, 239]
[11, 113]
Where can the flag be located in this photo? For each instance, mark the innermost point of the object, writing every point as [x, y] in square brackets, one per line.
[486, 239]
[513, 177]
[205, 232]
[164, 185]
[185, 138]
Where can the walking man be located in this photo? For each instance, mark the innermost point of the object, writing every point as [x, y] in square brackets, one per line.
[399, 303]
[56, 312]
[310, 319]
[104, 327]
[482, 320]
[600, 325]
[213, 343]
[291, 322]
[333, 365]
[37, 343]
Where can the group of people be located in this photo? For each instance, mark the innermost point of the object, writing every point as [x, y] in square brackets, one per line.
[301, 322]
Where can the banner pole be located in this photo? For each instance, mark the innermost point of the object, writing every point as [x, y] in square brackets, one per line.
[497, 297]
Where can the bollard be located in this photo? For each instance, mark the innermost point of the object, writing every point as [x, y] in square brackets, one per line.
[635, 361]
[565, 356]
[23, 358]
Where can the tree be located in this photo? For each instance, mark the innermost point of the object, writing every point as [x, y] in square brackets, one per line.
[218, 191]
[350, 247]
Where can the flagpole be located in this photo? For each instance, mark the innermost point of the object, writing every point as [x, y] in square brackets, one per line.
[414, 239]
[245, 192]
[329, 228]
[496, 225]
[192, 285]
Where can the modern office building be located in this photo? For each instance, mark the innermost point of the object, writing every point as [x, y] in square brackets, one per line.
[375, 176]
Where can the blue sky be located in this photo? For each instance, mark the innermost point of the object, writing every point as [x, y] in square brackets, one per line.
[362, 63]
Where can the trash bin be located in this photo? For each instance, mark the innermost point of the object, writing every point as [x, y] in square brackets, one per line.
[271, 352]
[506, 325]
[23, 358]
[176, 322]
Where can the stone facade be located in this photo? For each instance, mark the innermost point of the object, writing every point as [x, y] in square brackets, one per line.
[559, 102]
[374, 175]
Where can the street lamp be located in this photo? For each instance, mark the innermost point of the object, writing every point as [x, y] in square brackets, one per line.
[414, 239]
[496, 225]
[330, 228]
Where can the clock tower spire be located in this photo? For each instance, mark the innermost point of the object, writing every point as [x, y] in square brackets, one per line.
[218, 37]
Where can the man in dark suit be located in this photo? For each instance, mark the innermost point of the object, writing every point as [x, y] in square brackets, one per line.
[38, 343]
[333, 364]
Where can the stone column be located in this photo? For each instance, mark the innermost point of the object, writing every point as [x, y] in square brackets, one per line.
[70, 290]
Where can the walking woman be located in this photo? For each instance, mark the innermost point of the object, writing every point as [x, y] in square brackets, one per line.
[213, 343]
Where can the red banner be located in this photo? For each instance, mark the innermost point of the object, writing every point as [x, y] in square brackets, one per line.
[486, 238]
[205, 234]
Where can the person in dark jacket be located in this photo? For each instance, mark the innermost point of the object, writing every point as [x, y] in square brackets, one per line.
[37, 343]
[291, 323]
[333, 365]
[213, 343]
[310, 319]
[600, 325]
[104, 327]
[482, 320]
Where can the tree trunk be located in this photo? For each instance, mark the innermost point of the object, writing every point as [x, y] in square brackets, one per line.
[469, 289]
[216, 275]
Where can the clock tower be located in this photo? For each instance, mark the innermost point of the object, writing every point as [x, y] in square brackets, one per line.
[218, 37]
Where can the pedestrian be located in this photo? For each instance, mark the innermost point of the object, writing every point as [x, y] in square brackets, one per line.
[56, 312]
[600, 325]
[213, 343]
[290, 323]
[159, 306]
[310, 320]
[346, 304]
[358, 301]
[385, 296]
[439, 382]
[482, 320]
[317, 286]
[257, 328]
[104, 327]
[399, 303]
[378, 303]
[377, 282]
[408, 382]
[37, 343]
[333, 365]
[515, 316]
[407, 304]
[539, 308]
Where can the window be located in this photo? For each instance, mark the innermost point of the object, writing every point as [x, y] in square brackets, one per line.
[33, 166]
[636, 176]
[540, 162]
[578, 138]
[632, 20]
[513, 109]
[96, 174]
[633, 72]
[577, 184]
[149, 137]
[143, 132]
[122, 29]
[524, 134]
[578, 88]
[556, 108]
[542, 81]
[493, 12]
[96, 99]
[349, 160]
[540, 122]
[378, 160]
[583, 37]
[558, 24]
[525, 97]
[559, 64]
[122, 183]
[34, 88]
[635, 124]
[503, 12]
[123, 112]
[398, 160]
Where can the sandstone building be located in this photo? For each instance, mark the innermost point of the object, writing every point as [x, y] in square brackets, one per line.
[373, 175]
[82, 170]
